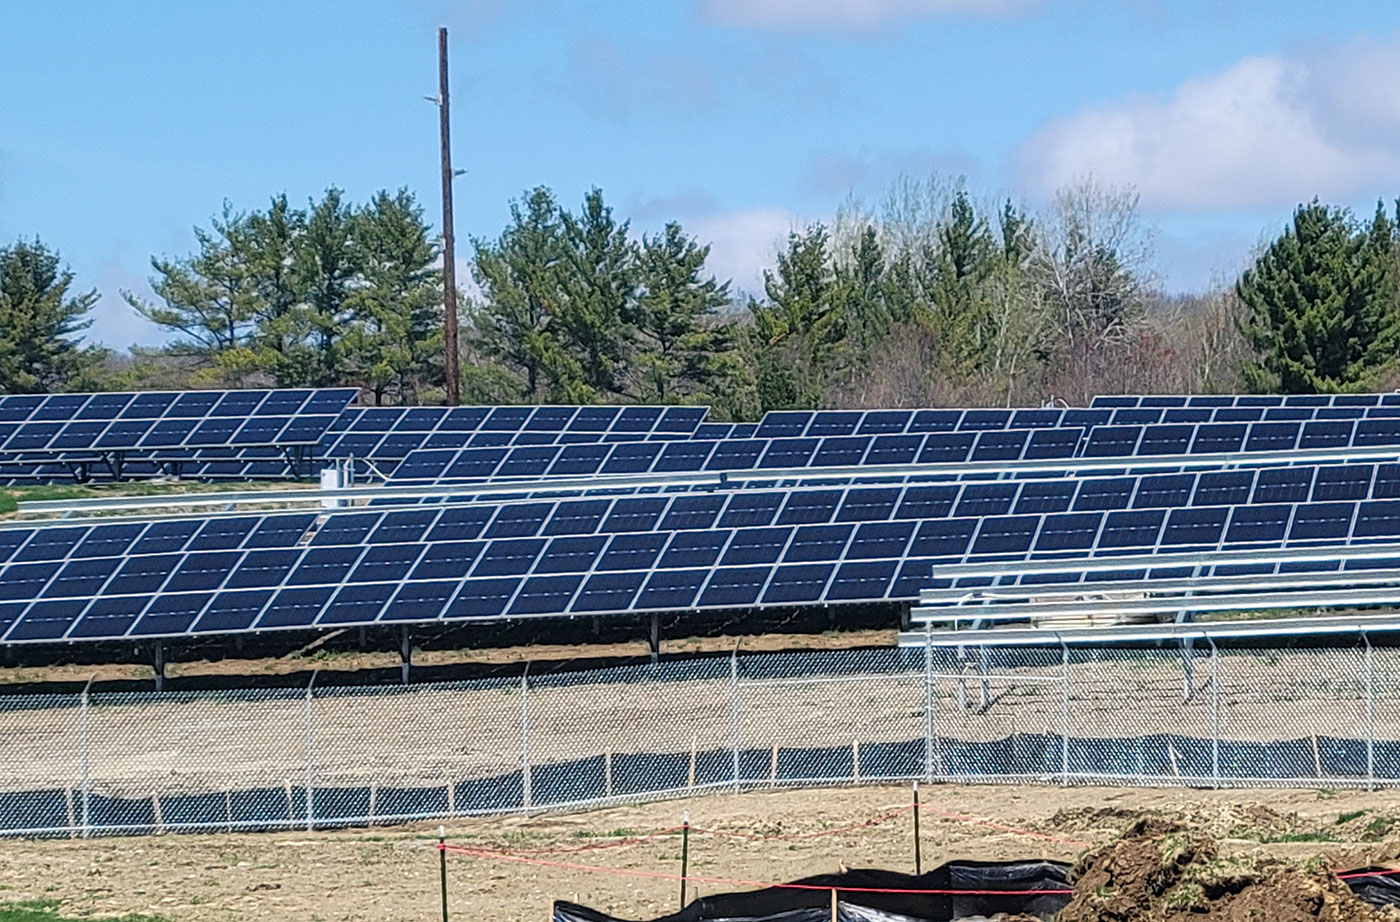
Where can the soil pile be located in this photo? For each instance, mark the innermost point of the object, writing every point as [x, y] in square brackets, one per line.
[1160, 871]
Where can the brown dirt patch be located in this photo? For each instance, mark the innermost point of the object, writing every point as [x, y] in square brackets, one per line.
[358, 875]
[347, 665]
[1160, 871]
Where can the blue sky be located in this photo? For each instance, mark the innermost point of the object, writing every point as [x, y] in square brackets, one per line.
[122, 126]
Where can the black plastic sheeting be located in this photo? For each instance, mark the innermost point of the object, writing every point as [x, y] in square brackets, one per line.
[1025, 882]
[1021, 879]
[1031, 755]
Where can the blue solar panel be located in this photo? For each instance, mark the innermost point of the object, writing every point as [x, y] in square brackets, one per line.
[677, 551]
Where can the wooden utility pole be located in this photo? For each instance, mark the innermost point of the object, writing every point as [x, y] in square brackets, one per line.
[449, 269]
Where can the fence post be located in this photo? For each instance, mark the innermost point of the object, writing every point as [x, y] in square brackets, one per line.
[734, 710]
[85, 747]
[525, 799]
[1064, 711]
[1214, 711]
[1370, 682]
[929, 730]
[311, 752]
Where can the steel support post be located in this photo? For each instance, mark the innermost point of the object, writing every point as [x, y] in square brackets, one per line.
[310, 750]
[525, 794]
[734, 711]
[1214, 712]
[982, 674]
[1369, 678]
[1188, 671]
[1064, 711]
[930, 732]
[85, 750]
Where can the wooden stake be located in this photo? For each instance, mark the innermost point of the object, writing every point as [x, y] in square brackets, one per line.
[72, 814]
[773, 767]
[690, 777]
[373, 799]
[1317, 756]
[156, 811]
[291, 805]
[855, 760]
[833, 904]
[1171, 754]
[607, 772]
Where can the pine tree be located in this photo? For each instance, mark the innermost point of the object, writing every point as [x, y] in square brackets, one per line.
[325, 272]
[684, 353]
[596, 315]
[1321, 304]
[957, 298]
[519, 277]
[801, 330]
[39, 324]
[867, 301]
[270, 257]
[394, 347]
[210, 298]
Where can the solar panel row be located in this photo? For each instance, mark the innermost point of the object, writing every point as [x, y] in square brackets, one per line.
[949, 448]
[393, 435]
[69, 425]
[818, 423]
[672, 552]
[252, 463]
[1246, 400]
[1138, 578]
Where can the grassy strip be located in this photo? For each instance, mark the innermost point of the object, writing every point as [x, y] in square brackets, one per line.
[144, 488]
[47, 911]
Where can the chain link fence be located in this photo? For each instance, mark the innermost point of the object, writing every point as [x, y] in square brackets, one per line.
[93, 764]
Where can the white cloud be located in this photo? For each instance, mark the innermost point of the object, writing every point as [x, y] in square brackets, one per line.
[824, 15]
[743, 243]
[1267, 131]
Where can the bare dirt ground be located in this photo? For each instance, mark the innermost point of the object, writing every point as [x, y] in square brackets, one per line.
[541, 657]
[426, 735]
[392, 874]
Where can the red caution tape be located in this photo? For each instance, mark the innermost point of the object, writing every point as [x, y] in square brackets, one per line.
[726, 881]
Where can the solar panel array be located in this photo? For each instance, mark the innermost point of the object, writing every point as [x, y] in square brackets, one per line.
[950, 449]
[126, 435]
[1246, 400]
[1199, 558]
[740, 548]
[856, 507]
[392, 433]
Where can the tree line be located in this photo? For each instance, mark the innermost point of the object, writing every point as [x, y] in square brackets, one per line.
[930, 296]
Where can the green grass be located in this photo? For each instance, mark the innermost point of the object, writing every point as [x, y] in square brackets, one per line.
[47, 911]
[1294, 837]
[142, 488]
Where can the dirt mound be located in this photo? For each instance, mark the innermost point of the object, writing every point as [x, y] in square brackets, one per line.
[1085, 819]
[1163, 871]
[1251, 821]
